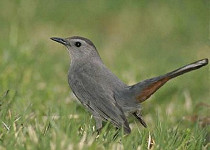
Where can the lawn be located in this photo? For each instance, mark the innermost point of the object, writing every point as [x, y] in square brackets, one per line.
[136, 40]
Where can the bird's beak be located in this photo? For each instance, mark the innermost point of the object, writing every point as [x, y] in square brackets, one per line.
[59, 40]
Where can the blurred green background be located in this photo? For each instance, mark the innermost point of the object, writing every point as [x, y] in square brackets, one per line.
[136, 40]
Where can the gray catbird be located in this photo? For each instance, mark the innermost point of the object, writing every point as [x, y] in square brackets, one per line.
[103, 93]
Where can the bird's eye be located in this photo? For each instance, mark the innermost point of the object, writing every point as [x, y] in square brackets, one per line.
[78, 44]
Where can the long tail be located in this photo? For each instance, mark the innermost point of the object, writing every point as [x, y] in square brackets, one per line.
[143, 90]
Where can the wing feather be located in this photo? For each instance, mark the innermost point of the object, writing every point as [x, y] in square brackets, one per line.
[92, 94]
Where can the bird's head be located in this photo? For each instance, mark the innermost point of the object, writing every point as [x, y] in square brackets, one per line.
[78, 47]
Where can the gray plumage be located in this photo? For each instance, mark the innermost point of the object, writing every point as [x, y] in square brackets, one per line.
[101, 92]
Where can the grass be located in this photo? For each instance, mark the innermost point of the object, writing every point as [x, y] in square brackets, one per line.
[136, 40]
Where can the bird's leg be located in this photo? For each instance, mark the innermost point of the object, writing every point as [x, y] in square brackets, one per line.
[139, 117]
[116, 134]
[98, 121]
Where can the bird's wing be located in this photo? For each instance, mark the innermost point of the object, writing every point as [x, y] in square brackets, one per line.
[92, 94]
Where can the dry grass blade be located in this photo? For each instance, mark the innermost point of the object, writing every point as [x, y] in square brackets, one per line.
[6, 126]
[151, 142]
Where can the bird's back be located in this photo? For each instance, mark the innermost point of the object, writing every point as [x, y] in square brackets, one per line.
[95, 86]
[96, 71]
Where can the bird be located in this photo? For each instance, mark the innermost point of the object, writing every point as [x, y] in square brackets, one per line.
[102, 92]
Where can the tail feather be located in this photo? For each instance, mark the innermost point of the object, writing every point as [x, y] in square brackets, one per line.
[193, 66]
[143, 90]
